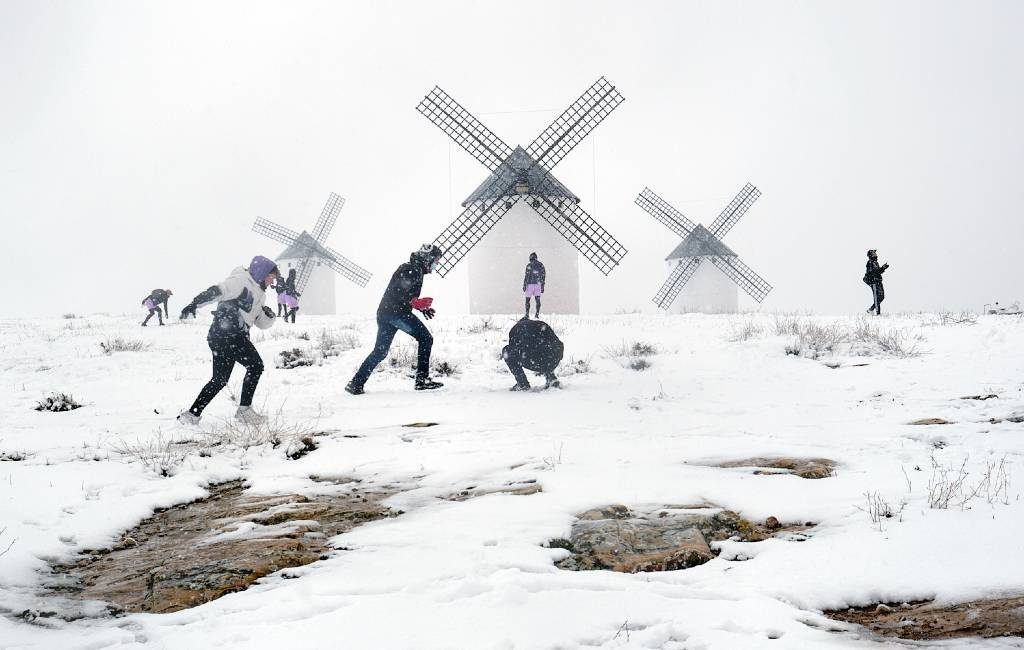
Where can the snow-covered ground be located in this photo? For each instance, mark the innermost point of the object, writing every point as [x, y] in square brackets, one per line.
[475, 574]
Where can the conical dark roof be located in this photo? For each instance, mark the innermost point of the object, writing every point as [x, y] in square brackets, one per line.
[304, 246]
[700, 243]
[501, 183]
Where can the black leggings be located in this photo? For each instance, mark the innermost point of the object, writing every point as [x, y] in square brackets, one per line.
[159, 316]
[225, 354]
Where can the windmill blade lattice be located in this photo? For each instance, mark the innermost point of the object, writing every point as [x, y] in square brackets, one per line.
[660, 209]
[274, 231]
[732, 213]
[675, 282]
[469, 228]
[569, 128]
[328, 217]
[347, 267]
[582, 231]
[462, 127]
[755, 286]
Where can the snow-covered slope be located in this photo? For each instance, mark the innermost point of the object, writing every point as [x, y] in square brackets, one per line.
[475, 574]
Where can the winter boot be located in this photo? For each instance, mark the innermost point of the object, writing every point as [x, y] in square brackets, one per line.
[189, 418]
[427, 384]
[247, 415]
[520, 387]
[354, 389]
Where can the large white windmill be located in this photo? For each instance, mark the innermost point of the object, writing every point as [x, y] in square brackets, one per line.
[314, 262]
[692, 285]
[521, 208]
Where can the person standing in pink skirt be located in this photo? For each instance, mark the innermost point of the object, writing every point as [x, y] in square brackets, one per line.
[533, 283]
[290, 297]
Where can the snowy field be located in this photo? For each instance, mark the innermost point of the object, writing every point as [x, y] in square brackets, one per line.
[476, 573]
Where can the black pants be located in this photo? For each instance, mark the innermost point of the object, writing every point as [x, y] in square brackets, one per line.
[513, 359]
[877, 295]
[537, 314]
[227, 352]
[387, 327]
[159, 315]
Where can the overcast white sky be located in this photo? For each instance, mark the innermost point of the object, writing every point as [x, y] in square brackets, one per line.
[139, 140]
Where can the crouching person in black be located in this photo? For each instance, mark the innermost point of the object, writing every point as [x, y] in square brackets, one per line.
[533, 345]
[395, 313]
[239, 307]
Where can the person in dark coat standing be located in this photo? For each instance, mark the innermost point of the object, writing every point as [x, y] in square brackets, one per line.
[153, 301]
[395, 313]
[533, 283]
[873, 278]
[533, 345]
[291, 296]
[239, 306]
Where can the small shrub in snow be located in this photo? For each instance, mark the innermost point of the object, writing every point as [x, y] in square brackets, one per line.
[634, 349]
[70, 315]
[641, 349]
[294, 358]
[160, 455]
[402, 356]
[748, 330]
[299, 447]
[639, 363]
[484, 324]
[332, 343]
[57, 402]
[12, 456]
[444, 368]
[119, 344]
[869, 338]
[573, 366]
[879, 509]
[948, 485]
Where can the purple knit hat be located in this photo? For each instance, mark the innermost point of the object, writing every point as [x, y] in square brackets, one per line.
[260, 267]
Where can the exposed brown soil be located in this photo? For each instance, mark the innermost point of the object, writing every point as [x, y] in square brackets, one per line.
[925, 621]
[811, 468]
[616, 538]
[196, 552]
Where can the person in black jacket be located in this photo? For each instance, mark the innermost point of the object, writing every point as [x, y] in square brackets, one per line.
[533, 345]
[873, 278]
[533, 283]
[395, 313]
[153, 301]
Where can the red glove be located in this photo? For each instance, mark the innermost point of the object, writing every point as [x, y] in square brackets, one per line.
[421, 303]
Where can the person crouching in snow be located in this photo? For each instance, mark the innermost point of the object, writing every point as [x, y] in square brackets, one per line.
[239, 307]
[533, 283]
[153, 301]
[395, 313]
[533, 345]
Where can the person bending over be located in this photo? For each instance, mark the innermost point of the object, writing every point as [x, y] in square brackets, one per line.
[533, 345]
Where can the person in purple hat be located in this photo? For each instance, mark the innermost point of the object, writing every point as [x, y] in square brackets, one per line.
[239, 307]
